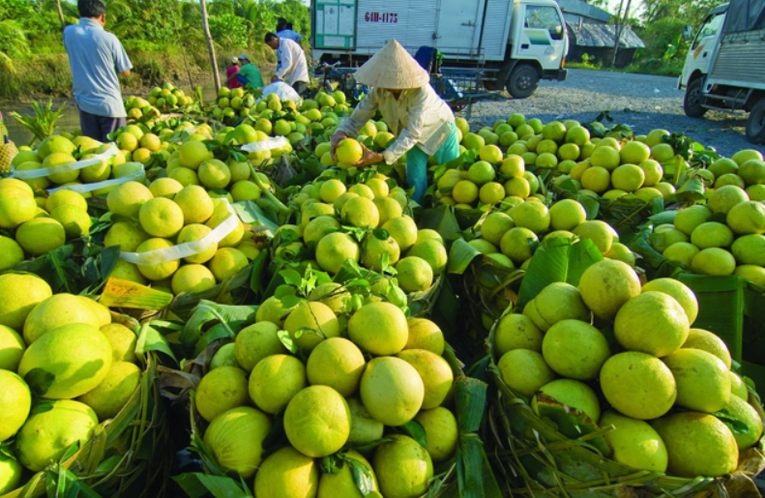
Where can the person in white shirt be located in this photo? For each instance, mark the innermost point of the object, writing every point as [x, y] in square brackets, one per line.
[421, 120]
[291, 65]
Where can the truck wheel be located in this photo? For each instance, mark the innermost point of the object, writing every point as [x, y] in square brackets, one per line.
[694, 96]
[755, 125]
[523, 81]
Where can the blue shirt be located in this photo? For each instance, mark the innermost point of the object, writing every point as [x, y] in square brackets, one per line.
[292, 35]
[95, 58]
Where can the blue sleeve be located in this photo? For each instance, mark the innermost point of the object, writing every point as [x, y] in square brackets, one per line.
[121, 60]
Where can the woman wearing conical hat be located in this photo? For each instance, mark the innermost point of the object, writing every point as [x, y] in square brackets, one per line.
[422, 122]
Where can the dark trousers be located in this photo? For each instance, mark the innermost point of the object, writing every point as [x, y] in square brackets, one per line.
[98, 127]
[300, 87]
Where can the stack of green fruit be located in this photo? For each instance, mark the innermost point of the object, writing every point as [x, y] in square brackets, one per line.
[141, 109]
[365, 223]
[354, 391]
[168, 98]
[722, 237]
[161, 217]
[38, 224]
[58, 150]
[66, 370]
[664, 390]
[510, 236]
[232, 103]
[745, 169]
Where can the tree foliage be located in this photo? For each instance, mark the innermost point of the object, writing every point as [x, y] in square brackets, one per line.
[30, 27]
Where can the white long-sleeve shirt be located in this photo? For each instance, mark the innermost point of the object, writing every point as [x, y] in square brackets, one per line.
[291, 64]
[418, 117]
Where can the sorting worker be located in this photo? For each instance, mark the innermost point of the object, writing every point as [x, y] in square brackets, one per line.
[248, 74]
[291, 65]
[423, 123]
[284, 30]
[232, 70]
[96, 58]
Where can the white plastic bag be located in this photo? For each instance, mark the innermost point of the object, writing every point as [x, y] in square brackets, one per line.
[186, 249]
[282, 90]
[271, 144]
[90, 187]
[64, 168]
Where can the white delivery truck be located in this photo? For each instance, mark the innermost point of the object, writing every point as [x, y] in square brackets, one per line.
[725, 65]
[513, 43]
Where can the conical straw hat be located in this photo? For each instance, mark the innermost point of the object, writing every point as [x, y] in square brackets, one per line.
[392, 67]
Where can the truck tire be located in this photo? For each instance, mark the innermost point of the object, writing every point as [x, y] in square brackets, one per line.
[523, 81]
[755, 125]
[694, 96]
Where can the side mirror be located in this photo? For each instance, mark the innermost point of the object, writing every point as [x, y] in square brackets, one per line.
[687, 32]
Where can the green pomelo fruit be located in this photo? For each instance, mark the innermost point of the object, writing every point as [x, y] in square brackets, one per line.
[697, 444]
[67, 362]
[392, 390]
[317, 421]
[638, 385]
[606, 285]
[235, 439]
[558, 301]
[575, 349]
[52, 427]
[404, 468]
[653, 322]
[635, 443]
[703, 381]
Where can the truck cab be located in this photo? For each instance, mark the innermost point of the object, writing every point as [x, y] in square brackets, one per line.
[724, 67]
[698, 61]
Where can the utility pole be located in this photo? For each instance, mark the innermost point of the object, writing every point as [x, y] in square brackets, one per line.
[620, 30]
[60, 15]
[210, 45]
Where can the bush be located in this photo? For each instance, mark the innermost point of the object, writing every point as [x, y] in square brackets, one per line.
[151, 72]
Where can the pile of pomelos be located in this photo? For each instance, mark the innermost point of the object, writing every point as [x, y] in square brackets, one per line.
[345, 385]
[666, 390]
[156, 219]
[65, 367]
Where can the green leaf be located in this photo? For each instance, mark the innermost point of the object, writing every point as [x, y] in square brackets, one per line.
[440, 219]
[397, 296]
[361, 475]
[213, 334]
[461, 255]
[286, 339]
[39, 381]
[380, 234]
[63, 483]
[252, 214]
[291, 277]
[197, 485]
[417, 431]
[234, 317]
[730, 419]
[331, 464]
[556, 260]
[149, 339]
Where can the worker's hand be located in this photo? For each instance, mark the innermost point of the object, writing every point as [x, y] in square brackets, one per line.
[338, 137]
[368, 158]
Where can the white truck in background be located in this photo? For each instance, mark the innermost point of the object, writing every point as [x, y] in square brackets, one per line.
[513, 43]
[725, 65]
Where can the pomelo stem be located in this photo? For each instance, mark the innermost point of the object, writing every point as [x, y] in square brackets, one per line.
[279, 205]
